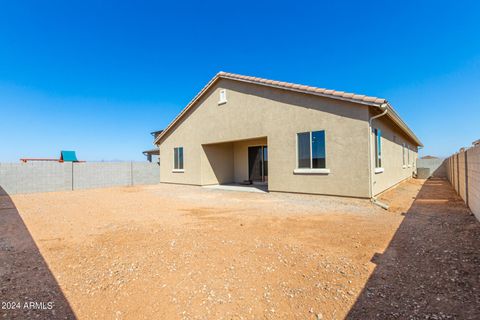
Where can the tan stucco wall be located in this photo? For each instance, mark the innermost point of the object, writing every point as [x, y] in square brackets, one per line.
[392, 156]
[255, 111]
[217, 163]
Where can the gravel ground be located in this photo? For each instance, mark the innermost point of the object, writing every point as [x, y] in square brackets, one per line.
[184, 252]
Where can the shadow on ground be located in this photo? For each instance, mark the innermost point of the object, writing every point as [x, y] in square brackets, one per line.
[28, 289]
[431, 268]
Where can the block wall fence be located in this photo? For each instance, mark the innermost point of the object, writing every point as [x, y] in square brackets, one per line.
[436, 166]
[33, 177]
[463, 172]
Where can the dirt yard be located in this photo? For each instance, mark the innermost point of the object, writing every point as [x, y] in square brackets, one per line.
[184, 252]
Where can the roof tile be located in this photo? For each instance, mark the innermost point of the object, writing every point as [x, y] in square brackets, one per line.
[287, 85]
[308, 89]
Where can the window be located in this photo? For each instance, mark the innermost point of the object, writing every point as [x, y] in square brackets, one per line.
[404, 156]
[408, 154]
[413, 156]
[304, 150]
[378, 148]
[178, 158]
[311, 150]
[223, 96]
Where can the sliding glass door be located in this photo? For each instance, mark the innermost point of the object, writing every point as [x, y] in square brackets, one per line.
[258, 164]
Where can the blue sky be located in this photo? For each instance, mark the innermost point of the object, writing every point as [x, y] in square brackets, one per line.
[97, 77]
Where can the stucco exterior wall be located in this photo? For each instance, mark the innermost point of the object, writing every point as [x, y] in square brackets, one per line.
[254, 111]
[217, 163]
[392, 156]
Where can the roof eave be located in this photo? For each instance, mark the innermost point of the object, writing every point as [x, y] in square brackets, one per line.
[222, 75]
[374, 103]
[189, 105]
[398, 121]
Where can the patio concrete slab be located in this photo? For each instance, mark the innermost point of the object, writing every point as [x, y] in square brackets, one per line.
[239, 187]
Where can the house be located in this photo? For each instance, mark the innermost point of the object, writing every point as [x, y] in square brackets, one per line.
[294, 138]
[152, 152]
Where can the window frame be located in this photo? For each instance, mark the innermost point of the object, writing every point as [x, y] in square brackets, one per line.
[377, 134]
[182, 169]
[310, 169]
[408, 152]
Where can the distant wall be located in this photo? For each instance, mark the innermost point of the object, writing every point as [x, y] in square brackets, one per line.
[55, 176]
[463, 172]
[438, 167]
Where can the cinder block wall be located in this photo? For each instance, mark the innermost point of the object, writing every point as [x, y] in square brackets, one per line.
[90, 175]
[474, 180]
[145, 173]
[463, 172]
[35, 177]
[55, 176]
[438, 167]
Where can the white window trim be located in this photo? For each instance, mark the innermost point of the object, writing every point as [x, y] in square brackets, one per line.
[379, 170]
[173, 163]
[310, 170]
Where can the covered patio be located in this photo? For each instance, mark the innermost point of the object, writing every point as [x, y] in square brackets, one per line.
[240, 162]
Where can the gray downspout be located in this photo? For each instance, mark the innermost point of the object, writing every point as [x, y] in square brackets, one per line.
[384, 108]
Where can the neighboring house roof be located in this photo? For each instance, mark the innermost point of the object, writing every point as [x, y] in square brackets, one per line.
[156, 133]
[429, 157]
[333, 94]
[152, 151]
[68, 156]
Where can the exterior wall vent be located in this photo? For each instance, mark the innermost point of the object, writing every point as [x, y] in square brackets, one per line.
[223, 97]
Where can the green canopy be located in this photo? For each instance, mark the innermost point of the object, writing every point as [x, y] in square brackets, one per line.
[68, 156]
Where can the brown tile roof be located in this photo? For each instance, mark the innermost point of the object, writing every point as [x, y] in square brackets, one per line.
[357, 98]
[307, 89]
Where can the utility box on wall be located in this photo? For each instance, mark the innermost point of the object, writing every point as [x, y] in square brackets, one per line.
[423, 173]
